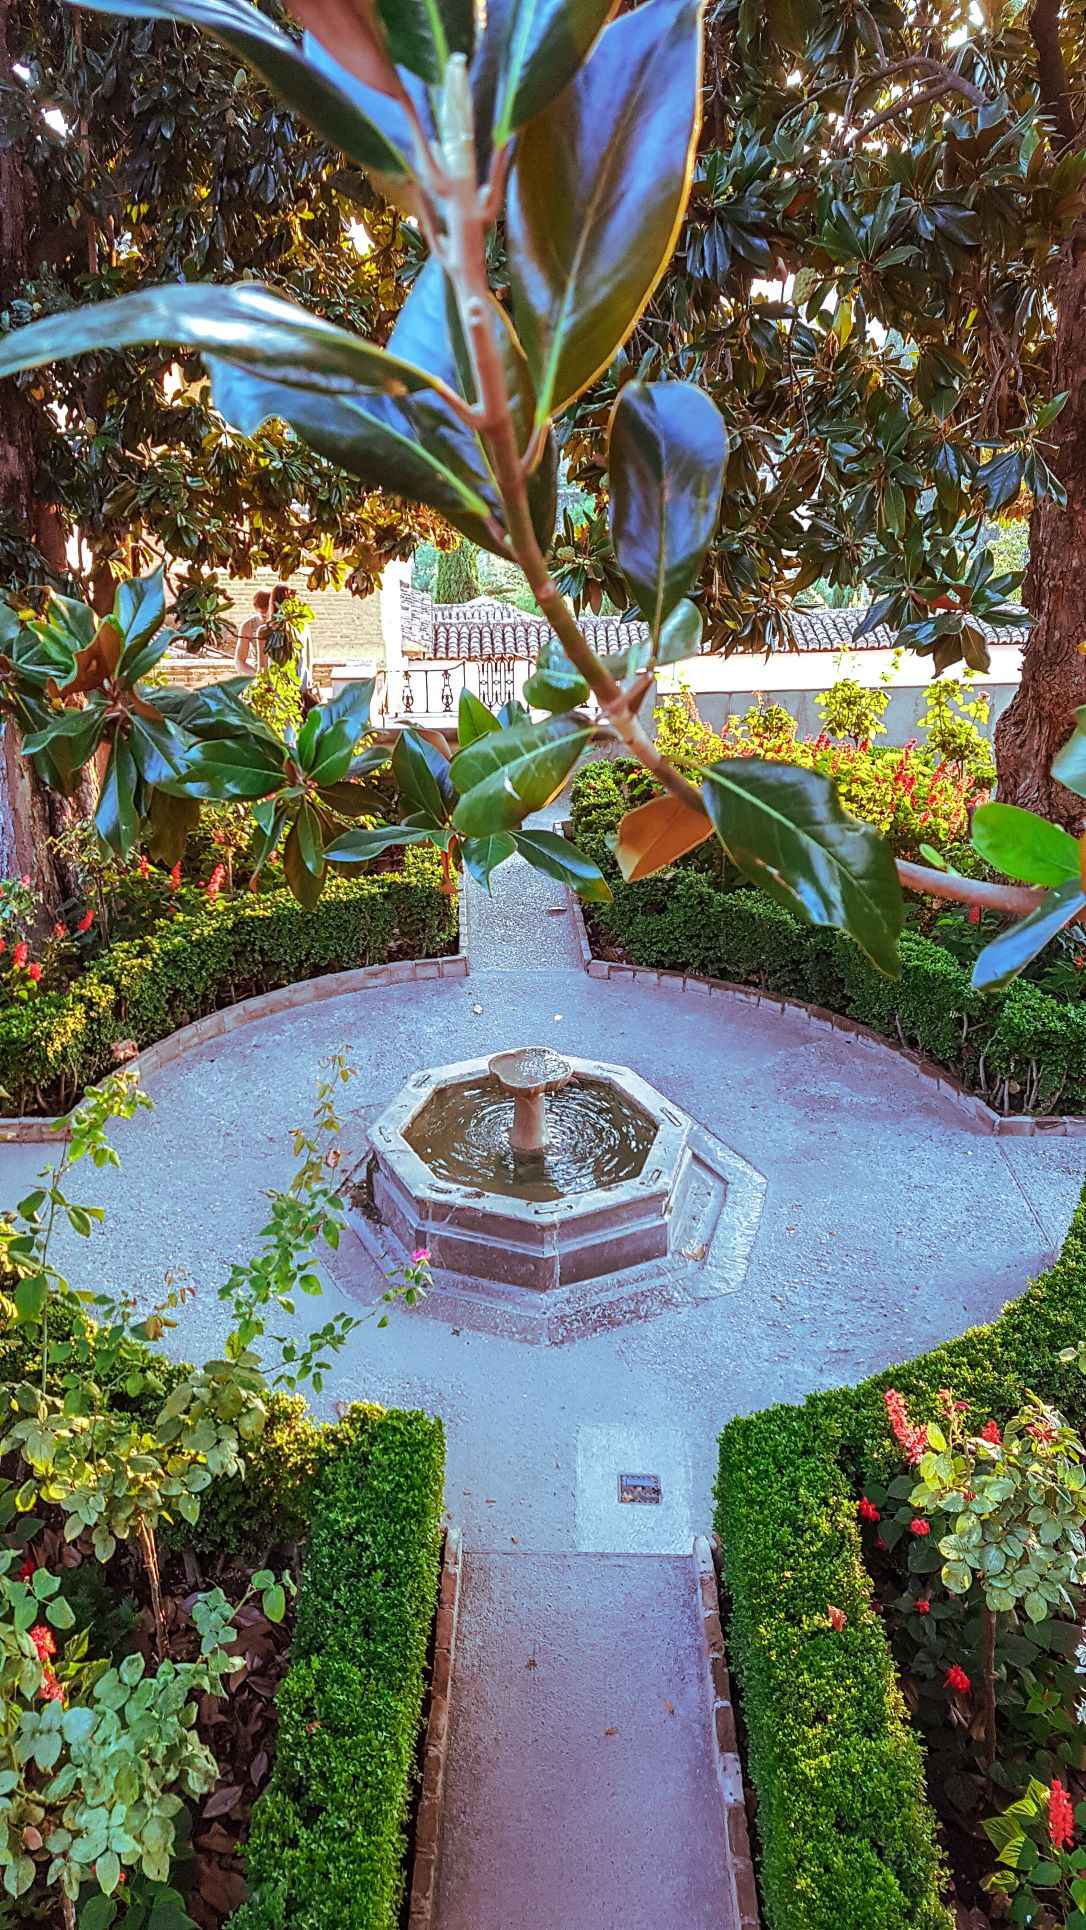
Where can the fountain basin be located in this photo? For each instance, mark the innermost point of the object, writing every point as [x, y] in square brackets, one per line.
[499, 1240]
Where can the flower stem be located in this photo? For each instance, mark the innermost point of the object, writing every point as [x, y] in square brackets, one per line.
[988, 1652]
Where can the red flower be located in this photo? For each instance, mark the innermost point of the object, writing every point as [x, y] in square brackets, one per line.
[868, 1510]
[175, 877]
[957, 1680]
[51, 1690]
[923, 1607]
[990, 1432]
[34, 972]
[60, 929]
[1061, 1816]
[911, 1440]
[21, 953]
[3, 945]
[1043, 1432]
[86, 921]
[918, 1526]
[214, 883]
[144, 867]
[974, 914]
[28, 1568]
[44, 1641]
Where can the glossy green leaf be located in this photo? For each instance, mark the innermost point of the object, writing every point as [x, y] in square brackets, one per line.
[680, 633]
[80, 730]
[368, 126]
[596, 195]
[421, 34]
[554, 684]
[1069, 763]
[243, 322]
[422, 776]
[159, 751]
[306, 745]
[666, 466]
[473, 719]
[169, 821]
[501, 778]
[1023, 845]
[232, 768]
[482, 856]
[333, 754]
[537, 47]
[305, 883]
[351, 705]
[116, 818]
[361, 847]
[1013, 949]
[560, 859]
[139, 612]
[785, 830]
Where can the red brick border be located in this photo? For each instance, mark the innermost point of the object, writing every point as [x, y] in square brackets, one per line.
[430, 1817]
[724, 1740]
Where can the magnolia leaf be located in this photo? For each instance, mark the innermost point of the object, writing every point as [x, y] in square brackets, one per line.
[666, 465]
[361, 847]
[305, 882]
[116, 818]
[139, 612]
[169, 821]
[245, 323]
[596, 196]
[1023, 845]
[348, 109]
[351, 705]
[786, 831]
[680, 633]
[560, 859]
[232, 768]
[503, 776]
[421, 34]
[1012, 950]
[655, 834]
[538, 45]
[473, 719]
[1069, 763]
[554, 684]
[423, 776]
[482, 856]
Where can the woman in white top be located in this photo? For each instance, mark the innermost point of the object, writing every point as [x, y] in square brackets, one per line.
[249, 655]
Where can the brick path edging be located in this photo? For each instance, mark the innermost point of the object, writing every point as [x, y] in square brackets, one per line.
[1002, 1125]
[306, 991]
[422, 1913]
[724, 1740]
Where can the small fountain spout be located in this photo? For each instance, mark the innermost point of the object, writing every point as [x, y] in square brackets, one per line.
[528, 1074]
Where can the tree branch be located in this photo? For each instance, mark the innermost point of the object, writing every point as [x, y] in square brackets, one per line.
[1044, 26]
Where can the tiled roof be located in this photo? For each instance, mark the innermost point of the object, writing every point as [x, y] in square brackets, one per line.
[486, 628]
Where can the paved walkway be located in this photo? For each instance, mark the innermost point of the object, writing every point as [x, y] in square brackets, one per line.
[889, 1223]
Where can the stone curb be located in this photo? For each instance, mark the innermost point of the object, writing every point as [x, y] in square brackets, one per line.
[1001, 1125]
[724, 1741]
[429, 1820]
[307, 991]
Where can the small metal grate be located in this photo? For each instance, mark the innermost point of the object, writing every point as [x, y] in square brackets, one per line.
[640, 1487]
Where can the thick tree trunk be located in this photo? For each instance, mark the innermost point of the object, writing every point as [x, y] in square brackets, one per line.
[1053, 685]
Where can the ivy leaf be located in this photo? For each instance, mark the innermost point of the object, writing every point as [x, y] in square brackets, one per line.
[1012, 949]
[1025, 846]
[504, 776]
[596, 195]
[666, 464]
[654, 834]
[786, 831]
[558, 858]
[362, 121]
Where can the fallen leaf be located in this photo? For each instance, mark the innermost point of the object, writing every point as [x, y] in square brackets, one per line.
[221, 1801]
[610, 1732]
[531, 1663]
[669, 1707]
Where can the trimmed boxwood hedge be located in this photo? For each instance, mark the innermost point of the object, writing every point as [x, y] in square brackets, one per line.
[846, 1833]
[53, 1047]
[1021, 1049]
[327, 1844]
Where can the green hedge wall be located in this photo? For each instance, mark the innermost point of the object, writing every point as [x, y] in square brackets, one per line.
[846, 1834]
[53, 1047]
[327, 1845]
[1022, 1050]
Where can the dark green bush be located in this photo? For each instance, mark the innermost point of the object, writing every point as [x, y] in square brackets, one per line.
[53, 1047]
[846, 1833]
[326, 1850]
[1021, 1049]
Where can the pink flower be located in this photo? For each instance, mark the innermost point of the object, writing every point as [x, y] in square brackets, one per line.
[86, 921]
[25, 881]
[420, 1254]
[911, 1440]
[214, 883]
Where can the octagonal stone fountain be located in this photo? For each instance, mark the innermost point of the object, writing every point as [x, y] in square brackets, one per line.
[551, 1193]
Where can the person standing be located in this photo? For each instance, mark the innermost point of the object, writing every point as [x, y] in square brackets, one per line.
[249, 656]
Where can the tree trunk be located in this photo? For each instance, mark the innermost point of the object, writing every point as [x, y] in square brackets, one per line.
[1053, 686]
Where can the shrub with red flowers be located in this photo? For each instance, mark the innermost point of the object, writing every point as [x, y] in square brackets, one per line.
[1038, 1862]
